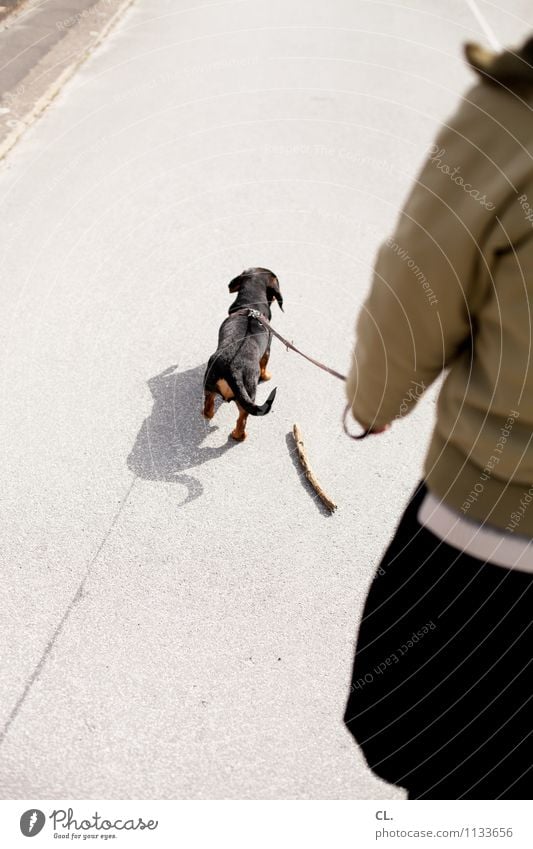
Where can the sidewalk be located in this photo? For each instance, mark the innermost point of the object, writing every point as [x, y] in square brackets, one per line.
[41, 45]
[7, 7]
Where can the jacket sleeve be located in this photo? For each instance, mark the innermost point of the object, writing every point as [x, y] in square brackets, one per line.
[418, 315]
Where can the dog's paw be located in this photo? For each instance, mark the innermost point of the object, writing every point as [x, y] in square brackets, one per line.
[265, 375]
[238, 435]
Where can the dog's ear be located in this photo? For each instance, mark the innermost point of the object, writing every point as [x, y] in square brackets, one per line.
[273, 291]
[237, 282]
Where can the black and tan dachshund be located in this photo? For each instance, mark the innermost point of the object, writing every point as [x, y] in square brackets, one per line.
[240, 361]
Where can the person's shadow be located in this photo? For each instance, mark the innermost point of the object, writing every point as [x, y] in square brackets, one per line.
[170, 440]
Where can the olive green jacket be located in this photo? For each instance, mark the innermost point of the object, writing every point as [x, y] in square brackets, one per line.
[452, 290]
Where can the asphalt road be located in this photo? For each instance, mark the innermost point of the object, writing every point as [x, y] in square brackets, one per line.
[178, 613]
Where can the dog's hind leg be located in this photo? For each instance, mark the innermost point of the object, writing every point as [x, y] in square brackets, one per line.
[239, 432]
[209, 405]
[263, 362]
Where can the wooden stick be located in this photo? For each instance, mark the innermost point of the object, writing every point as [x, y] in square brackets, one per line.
[309, 474]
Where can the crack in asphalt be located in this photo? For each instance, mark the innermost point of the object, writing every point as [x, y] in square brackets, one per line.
[59, 628]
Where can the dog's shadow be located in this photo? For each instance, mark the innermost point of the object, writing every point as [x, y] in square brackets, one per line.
[169, 442]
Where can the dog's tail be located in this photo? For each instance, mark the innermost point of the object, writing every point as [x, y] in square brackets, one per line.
[242, 398]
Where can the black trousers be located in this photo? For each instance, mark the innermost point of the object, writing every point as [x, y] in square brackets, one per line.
[441, 699]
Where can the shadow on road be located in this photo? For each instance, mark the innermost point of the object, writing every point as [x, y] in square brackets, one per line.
[170, 439]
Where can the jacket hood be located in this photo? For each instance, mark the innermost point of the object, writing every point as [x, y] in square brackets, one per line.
[512, 68]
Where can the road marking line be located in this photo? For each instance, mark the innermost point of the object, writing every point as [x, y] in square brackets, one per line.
[484, 24]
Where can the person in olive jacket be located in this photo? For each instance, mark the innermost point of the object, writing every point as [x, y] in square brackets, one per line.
[441, 699]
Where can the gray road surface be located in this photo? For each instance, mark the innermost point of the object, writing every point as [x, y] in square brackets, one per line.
[178, 614]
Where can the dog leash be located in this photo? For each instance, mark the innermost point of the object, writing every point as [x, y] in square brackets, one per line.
[265, 322]
[251, 313]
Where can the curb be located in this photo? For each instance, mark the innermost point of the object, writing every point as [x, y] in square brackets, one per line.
[44, 81]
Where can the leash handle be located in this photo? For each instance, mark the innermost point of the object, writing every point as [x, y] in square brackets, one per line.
[345, 426]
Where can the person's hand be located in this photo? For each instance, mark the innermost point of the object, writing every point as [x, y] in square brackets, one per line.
[367, 432]
[377, 430]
